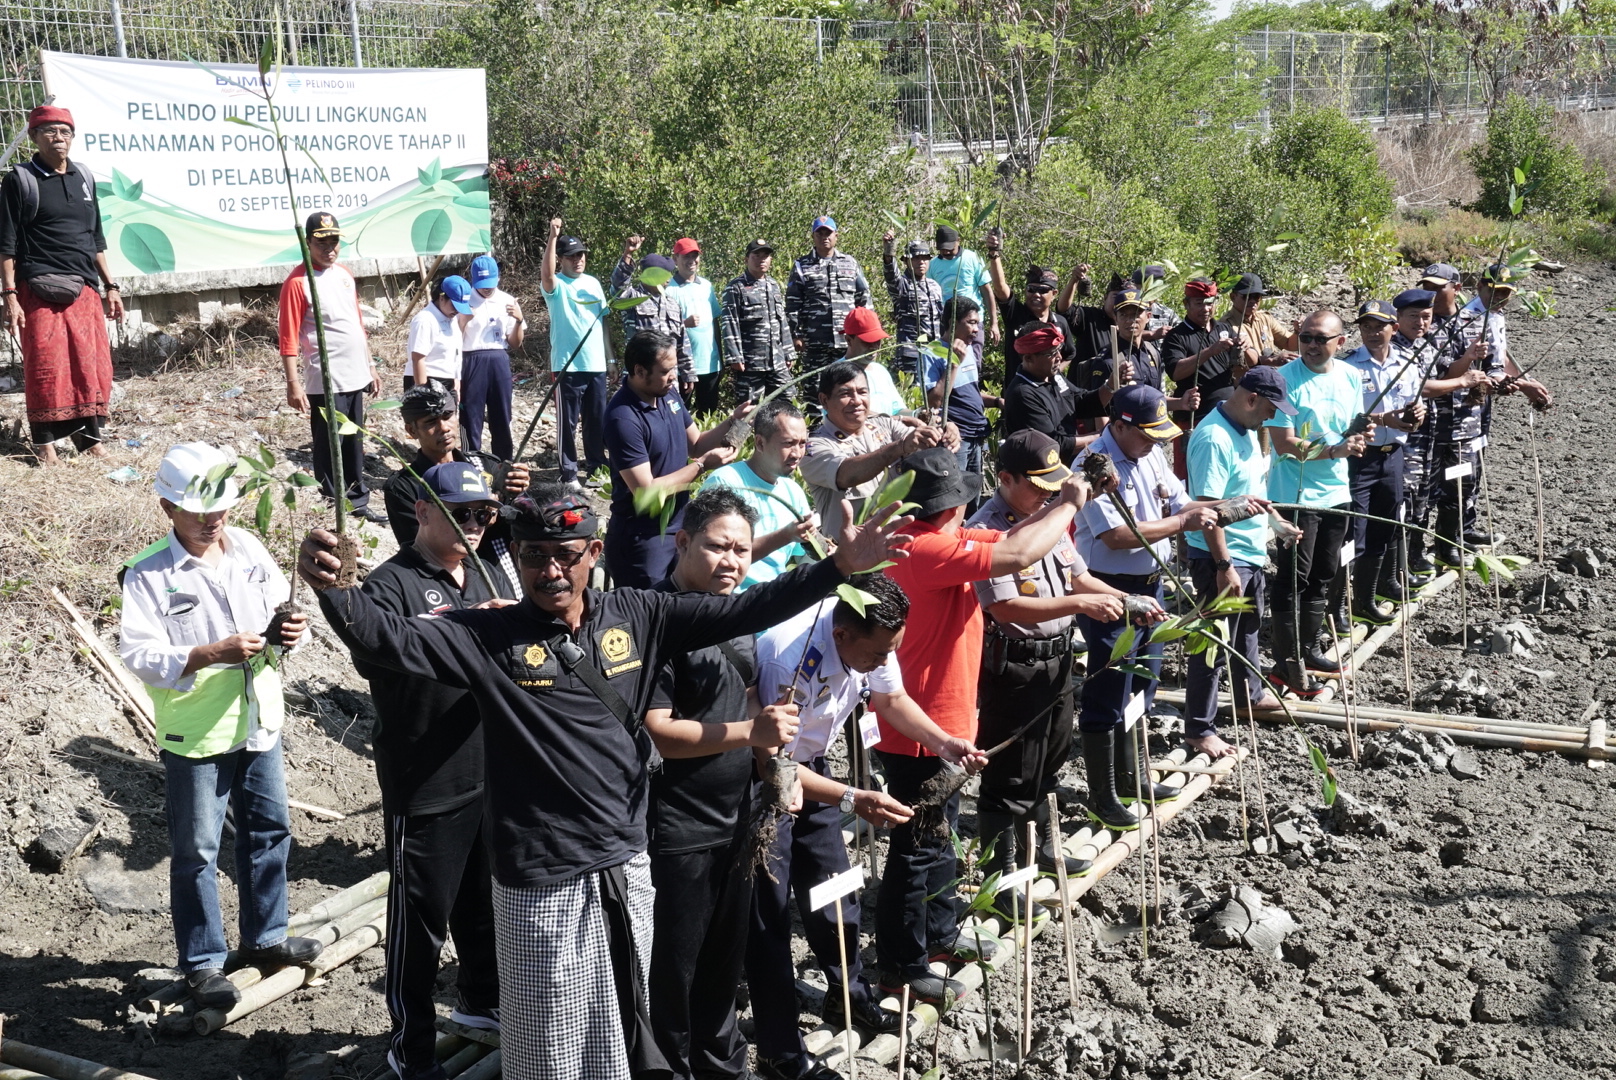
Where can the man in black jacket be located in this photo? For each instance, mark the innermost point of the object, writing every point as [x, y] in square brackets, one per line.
[561, 680]
[1040, 398]
[428, 744]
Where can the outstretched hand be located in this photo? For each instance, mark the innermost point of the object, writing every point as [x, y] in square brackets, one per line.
[317, 563]
[864, 547]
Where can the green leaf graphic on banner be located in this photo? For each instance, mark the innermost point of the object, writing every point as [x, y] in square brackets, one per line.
[473, 183]
[477, 200]
[430, 232]
[146, 247]
[135, 190]
[103, 190]
[480, 241]
[431, 174]
[120, 184]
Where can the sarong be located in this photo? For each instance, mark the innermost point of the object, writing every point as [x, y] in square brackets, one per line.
[558, 986]
[67, 362]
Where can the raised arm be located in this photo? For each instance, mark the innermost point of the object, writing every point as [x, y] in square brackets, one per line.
[547, 265]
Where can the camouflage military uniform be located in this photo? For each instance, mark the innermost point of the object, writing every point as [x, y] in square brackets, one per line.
[819, 295]
[1418, 451]
[757, 335]
[1461, 417]
[664, 312]
[917, 308]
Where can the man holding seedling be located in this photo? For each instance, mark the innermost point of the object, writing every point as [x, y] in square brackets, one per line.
[200, 629]
[353, 372]
[1202, 352]
[578, 350]
[1145, 361]
[757, 335]
[1035, 309]
[1040, 398]
[825, 285]
[960, 272]
[1256, 328]
[917, 299]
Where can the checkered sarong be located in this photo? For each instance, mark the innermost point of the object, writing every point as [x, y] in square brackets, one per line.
[559, 1017]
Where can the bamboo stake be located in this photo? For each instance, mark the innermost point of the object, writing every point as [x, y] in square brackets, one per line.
[1487, 501]
[60, 1066]
[903, 1032]
[1557, 732]
[1026, 948]
[1403, 613]
[124, 685]
[847, 1003]
[1116, 361]
[1537, 477]
[1346, 674]
[1059, 844]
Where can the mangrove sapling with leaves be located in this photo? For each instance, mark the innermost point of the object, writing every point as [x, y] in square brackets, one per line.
[254, 476]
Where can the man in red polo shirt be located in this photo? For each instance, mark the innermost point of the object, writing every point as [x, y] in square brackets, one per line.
[917, 918]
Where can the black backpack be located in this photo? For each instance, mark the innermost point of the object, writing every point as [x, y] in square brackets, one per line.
[28, 185]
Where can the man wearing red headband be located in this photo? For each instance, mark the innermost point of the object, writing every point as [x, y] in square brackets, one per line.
[52, 255]
[1040, 398]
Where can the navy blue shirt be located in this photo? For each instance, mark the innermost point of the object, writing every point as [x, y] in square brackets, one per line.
[640, 432]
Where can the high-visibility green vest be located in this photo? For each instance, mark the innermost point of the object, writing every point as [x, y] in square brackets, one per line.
[218, 710]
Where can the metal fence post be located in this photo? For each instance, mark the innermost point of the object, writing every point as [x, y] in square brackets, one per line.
[819, 38]
[1388, 82]
[931, 89]
[117, 28]
[353, 32]
[1293, 71]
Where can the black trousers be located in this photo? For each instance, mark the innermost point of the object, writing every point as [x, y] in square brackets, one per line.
[706, 396]
[1104, 696]
[807, 850]
[1377, 488]
[583, 397]
[351, 447]
[442, 883]
[703, 906]
[1312, 561]
[917, 909]
[1201, 684]
[85, 431]
[1023, 772]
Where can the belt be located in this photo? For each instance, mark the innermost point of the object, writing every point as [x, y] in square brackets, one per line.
[1388, 448]
[1119, 580]
[1032, 650]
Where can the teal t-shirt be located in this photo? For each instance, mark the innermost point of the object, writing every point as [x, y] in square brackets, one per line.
[1325, 405]
[1226, 460]
[697, 297]
[966, 274]
[574, 306]
[771, 516]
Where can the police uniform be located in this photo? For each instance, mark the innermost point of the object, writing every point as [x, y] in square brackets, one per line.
[1026, 672]
[566, 784]
[819, 294]
[756, 333]
[917, 309]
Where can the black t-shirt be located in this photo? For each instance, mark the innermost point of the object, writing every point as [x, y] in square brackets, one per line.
[428, 738]
[1018, 315]
[64, 234]
[1214, 376]
[702, 802]
[1091, 327]
[401, 491]
[566, 781]
[1052, 407]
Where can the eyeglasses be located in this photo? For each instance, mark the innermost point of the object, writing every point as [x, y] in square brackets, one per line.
[55, 131]
[1315, 339]
[483, 515]
[566, 558]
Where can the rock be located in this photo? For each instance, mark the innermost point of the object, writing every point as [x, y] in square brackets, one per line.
[60, 841]
[1454, 853]
[1349, 814]
[1583, 562]
[1511, 639]
[1288, 835]
[1463, 765]
[119, 890]
[1247, 920]
[1259, 845]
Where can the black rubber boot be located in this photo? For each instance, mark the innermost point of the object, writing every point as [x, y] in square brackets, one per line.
[1313, 612]
[1421, 570]
[1127, 759]
[1366, 608]
[1340, 620]
[1288, 673]
[1391, 587]
[1446, 548]
[1104, 807]
[1046, 847]
[1000, 831]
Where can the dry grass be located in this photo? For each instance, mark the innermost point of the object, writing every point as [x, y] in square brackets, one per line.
[1426, 163]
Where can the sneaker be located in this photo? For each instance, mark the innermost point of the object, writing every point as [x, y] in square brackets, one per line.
[932, 989]
[433, 1071]
[967, 948]
[786, 1069]
[868, 1016]
[211, 990]
[468, 1016]
[292, 950]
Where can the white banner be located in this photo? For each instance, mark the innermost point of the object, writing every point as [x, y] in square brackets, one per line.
[398, 155]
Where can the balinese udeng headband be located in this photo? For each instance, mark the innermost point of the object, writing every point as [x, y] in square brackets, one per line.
[567, 518]
[1037, 341]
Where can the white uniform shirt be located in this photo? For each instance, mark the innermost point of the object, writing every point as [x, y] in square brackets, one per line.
[345, 340]
[173, 601]
[437, 336]
[1146, 486]
[827, 690]
[489, 324]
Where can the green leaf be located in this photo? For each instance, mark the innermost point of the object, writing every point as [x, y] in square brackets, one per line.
[626, 303]
[1138, 671]
[855, 598]
[266, 455]
[383, 406]
[431, 174]
[266, 509]
[1124, 643]
[219, 472]
[653, 277]
[249, 123]
[1168, 632]
[146, 247]
[347, 427]
[290, 498]
[982, 215]
[266, 52]
[302, 480]
[1275, 249]
[1288, 236]
[1520, 176]
[896, 490]
[430, 232]
[120, 184]
[649, 499]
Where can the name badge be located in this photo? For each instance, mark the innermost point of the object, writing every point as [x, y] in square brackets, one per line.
[869, 729]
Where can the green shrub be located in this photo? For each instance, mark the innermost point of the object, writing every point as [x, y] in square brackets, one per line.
[1337, 156]
[1254, 208]
[1526, 136]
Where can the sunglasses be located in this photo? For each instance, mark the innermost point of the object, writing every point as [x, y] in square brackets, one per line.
[1315, 339]
[482, 515]
[566, 558]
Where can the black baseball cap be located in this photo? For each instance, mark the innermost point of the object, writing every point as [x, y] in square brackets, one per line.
[940, 484]
[1268, 382]
[321, 225]
[1034, 455]
[570, 245]
[947, 234]
[1377, 311]
[760, 246]
[917, 249]
[1249, 285]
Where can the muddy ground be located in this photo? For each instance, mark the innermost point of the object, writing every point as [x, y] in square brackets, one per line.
[1447, 927]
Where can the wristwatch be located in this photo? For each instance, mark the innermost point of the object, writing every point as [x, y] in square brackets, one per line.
[1220, 565]
[849, 795]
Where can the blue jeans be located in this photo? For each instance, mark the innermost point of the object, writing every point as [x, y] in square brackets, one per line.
[254, 786]
[970, 455]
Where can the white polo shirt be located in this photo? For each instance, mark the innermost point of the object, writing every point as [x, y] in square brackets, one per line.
[437, 337]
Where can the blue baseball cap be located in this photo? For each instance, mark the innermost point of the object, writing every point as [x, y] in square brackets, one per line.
[1145, 407]
[1268, 382]
[659, 262]
[1440, 274]
[826, 222]
[458, 290]
[1420, 298]
[1377, 311]
[484, 272]
[458, 482]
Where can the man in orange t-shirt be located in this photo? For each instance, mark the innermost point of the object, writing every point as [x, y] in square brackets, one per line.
[941, 657]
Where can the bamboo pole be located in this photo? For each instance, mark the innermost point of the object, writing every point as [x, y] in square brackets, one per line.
[21, 1074]
[1058, 843]
[463, 1059]
[1557, 732]
[60, 1066]
[487, 1068]
[346, 900]
[286, 980]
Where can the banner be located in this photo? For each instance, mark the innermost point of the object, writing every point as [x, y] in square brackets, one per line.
[189, 179]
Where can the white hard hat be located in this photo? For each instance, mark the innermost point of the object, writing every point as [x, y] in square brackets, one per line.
[182, 479]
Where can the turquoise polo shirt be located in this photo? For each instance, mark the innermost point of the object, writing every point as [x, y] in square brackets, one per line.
[698, 299]
[575, 305]
[965, 274]
[1325, 405]
[771, 515]
[1225, 461]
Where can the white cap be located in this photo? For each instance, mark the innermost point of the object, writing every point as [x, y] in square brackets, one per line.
[184, 472]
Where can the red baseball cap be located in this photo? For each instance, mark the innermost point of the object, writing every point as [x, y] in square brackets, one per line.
[864, 324]
[50, 114]
[685, 245]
